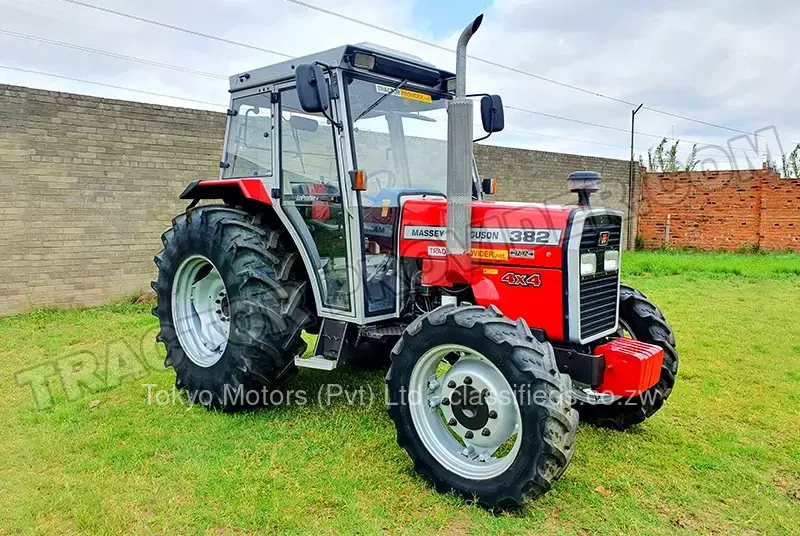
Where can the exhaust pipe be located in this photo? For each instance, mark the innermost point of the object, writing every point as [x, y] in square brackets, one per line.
[459, 167]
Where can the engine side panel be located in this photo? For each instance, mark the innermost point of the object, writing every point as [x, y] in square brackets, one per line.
[517, 256]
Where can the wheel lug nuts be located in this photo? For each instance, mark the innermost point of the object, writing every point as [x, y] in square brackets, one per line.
[451, 384]
[452, 422]
[485, 393]
[485, 432]
[219, 312]
[445, 401]
[218, 301]
[469, 434]
[493, 414]
[467, 380]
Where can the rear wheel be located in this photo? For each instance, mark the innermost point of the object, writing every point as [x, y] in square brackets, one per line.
[480, 406]
[231, 303]
[642, 320]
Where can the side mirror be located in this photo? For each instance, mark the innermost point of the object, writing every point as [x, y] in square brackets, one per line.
[492, 113]
[312, 90]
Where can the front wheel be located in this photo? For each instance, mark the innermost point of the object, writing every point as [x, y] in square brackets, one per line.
[480, 406]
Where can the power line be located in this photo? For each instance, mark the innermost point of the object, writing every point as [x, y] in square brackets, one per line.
[405, 36]
[609, 127]
[53, 75]
[514, 69]
[218, 76]
[111, 54]
[692, 34]
[176, 28]
[532, 134]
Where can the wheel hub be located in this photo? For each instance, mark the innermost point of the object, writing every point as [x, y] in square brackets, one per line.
[466, 415]
[469, 407]
[200, 310]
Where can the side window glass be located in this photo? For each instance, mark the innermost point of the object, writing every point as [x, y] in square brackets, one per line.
[249, 148]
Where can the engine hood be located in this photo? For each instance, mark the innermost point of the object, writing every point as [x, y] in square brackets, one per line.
[527, 233]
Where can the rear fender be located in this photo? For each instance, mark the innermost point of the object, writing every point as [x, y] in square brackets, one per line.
[252, 193]
[232, 191]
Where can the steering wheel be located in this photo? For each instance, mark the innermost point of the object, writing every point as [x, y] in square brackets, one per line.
[390, 183]
[391, 180]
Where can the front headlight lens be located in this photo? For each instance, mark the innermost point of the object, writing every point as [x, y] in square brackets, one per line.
[588, 264]
[611, 261]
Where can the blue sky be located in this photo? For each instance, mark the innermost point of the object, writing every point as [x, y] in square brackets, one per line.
[444, 17]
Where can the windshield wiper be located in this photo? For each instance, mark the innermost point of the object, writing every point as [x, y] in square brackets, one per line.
[381, 99]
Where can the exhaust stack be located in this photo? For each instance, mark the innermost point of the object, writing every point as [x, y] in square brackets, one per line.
[459, 166]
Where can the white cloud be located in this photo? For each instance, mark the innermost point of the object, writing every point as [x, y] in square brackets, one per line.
[731, 64]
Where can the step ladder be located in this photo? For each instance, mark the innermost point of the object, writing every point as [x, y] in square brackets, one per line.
[328, 350]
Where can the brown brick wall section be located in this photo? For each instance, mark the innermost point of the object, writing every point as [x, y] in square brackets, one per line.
[721, 210]
[780, 214]
[87, 186]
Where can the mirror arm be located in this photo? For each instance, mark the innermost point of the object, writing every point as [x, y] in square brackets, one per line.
[328, 70]
[483, 138]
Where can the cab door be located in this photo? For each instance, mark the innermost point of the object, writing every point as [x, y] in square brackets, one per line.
[312, 189]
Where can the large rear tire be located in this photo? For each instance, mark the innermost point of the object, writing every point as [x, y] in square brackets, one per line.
[231, 302]
[522, 405]
[643, 321]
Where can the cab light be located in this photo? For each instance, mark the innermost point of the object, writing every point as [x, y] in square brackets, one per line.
[359, 180]
[364, 61]
[588, 264]
[611, 261]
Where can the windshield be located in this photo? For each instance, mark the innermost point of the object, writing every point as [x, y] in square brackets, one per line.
[401, 142]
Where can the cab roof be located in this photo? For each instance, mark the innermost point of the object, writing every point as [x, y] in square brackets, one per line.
[387, 61]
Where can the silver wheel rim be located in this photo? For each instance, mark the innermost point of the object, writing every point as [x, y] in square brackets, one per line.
[590, 396]
[441, 410]
[200, 310]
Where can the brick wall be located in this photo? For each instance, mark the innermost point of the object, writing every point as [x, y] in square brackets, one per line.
[87, 186]
[720, 210]
[540, 176]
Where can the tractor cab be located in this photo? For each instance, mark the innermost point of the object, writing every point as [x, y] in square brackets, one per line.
[340, 140]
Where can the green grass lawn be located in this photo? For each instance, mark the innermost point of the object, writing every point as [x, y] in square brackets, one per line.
[723, 456]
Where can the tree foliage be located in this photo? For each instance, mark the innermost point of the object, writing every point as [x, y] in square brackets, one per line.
[664, 158]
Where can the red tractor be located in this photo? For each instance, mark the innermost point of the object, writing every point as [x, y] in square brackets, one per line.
[351, 208]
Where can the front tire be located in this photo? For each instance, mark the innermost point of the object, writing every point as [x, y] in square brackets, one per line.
[643, 321]
[501, 387]
[231, 303]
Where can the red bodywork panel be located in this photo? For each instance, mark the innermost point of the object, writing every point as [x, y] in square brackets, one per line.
[227, 188]
[632, 367]
[517, 255]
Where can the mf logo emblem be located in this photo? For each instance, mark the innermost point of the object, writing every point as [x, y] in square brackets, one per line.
[603, 239]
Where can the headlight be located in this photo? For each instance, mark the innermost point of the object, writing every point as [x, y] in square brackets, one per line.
[588, 264]
[611, 261]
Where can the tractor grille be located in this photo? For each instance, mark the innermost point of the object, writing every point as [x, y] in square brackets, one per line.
[599, 292]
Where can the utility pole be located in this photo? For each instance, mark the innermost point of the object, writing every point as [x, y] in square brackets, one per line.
[630, 178]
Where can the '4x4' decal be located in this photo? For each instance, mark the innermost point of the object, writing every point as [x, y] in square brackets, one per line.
[522, 280]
